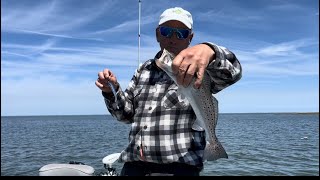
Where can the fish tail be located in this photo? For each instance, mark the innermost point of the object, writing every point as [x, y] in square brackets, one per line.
[214, 151]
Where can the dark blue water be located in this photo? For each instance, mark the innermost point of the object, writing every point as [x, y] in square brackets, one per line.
[257, 144]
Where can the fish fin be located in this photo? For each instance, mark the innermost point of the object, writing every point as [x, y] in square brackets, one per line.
[214, 151]
[196, 126]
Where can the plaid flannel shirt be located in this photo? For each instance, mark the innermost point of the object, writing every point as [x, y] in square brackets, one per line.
[160, 117]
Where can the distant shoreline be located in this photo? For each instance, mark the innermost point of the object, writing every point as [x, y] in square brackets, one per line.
[307, 113]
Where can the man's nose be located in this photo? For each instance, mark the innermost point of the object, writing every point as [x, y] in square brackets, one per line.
[174, 38]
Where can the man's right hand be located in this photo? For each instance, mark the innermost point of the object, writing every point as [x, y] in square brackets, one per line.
[103, 78]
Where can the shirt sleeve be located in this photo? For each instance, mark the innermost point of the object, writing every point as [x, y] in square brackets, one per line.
[225, 69]
[122, 107]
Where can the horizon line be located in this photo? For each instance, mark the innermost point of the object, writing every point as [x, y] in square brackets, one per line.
[218, 113]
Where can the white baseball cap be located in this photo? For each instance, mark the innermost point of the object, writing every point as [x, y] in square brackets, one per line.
[177, 13]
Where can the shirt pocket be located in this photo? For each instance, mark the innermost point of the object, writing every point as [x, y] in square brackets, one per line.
[173, 99]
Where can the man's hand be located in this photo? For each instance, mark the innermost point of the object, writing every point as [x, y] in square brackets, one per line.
[103, 78]
[190, 62]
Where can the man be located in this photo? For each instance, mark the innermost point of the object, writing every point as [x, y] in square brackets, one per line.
[161, 139]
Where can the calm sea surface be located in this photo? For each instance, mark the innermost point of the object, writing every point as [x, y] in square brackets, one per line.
[257, 144]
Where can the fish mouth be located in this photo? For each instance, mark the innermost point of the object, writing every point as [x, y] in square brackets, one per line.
[159, 63]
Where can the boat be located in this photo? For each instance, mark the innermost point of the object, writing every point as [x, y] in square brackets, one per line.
[74, 168]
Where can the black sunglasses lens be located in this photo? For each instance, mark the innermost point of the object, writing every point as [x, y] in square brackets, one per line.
[165, 31]
[182, 33]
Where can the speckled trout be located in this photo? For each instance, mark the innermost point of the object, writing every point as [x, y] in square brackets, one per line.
[203, 103]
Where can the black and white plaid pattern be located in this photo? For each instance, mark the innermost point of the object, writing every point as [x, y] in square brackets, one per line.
[161, 117]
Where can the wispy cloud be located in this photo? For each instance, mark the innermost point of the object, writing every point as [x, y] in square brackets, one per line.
[225, 16]
[53, 35]
[127, 26]
[291, 48]
[284, 59]
[298, 57]
[51, 18]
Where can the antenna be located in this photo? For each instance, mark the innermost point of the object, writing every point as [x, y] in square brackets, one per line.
[139, 33]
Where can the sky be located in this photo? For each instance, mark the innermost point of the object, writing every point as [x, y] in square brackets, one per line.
[52, 51]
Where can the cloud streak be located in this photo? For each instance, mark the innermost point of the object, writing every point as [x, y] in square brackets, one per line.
[51, 18]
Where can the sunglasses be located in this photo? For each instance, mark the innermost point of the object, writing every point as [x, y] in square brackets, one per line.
[168, 31]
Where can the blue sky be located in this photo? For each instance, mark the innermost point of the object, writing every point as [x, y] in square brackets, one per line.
[52, 51]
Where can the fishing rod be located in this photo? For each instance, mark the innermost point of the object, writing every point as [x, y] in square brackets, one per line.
[139, 33]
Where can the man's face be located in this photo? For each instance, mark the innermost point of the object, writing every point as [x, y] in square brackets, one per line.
[174, 43]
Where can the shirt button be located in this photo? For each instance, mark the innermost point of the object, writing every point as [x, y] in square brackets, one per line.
[145, 126]
[150, 108]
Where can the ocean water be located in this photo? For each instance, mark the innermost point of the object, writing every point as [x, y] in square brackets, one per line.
[257, 144]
